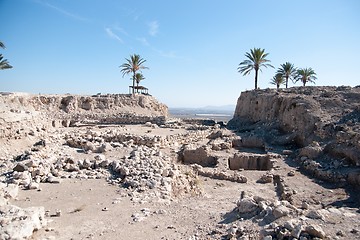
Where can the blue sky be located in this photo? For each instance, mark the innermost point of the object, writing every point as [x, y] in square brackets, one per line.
[192, 47]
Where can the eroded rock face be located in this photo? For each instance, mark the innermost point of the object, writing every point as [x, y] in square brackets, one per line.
[321, 123]
[311, 112]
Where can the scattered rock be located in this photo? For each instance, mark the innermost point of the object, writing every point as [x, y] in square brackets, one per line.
[291, 173]
[266, 178]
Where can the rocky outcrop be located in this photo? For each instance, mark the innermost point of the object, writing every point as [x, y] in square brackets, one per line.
[322, 125]
[20, 110]
[310, 112]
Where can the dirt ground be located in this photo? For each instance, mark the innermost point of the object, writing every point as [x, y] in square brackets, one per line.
[95, 209]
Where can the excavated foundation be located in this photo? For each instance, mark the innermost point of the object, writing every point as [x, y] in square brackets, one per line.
[250, 161]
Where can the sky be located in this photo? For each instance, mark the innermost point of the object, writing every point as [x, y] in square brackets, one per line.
[192, 47]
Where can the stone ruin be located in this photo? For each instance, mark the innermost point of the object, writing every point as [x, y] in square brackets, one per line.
[268, 128]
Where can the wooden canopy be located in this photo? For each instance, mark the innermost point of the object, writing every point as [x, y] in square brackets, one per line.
[143, 90]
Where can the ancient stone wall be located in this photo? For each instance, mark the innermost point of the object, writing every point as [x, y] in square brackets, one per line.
[20, 111]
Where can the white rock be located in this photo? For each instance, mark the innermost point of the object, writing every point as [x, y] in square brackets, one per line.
[247, 205]
[296, 231]
[315, 230]
[280, 211]
[21, 223]
[52, 179]
[33, 186]
[11, 191]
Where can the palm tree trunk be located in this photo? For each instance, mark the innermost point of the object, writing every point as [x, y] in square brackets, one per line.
[133, 90]
[286, 83]
[256, 77]
[277, 86]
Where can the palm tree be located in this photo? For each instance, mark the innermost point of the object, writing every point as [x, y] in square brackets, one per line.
[305, 75]
[256, 60]
[4, 64]
[132, 65]
[138, 78]
[288, 71]
[277, 80]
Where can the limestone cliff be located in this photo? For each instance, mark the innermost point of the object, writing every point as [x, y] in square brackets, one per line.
[328, 115]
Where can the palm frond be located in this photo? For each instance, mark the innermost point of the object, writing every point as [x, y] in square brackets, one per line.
[4, 64]
[139, 77]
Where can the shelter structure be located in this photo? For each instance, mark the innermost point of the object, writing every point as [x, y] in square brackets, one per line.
[141, 89]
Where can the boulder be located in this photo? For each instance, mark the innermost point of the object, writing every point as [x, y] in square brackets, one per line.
[18, 223]
[247, 205]
[312, 151]
[280, 211]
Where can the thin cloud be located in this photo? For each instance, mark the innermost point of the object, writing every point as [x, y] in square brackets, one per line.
[143, 41]
[113, 35]
[64, 12]
[121, 30]
[153, 28]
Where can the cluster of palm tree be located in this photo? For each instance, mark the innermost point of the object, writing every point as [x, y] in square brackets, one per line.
[134, 65]
[287, 71]
[4, 64]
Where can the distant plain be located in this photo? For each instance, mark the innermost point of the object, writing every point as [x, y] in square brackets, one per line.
[216, 113]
